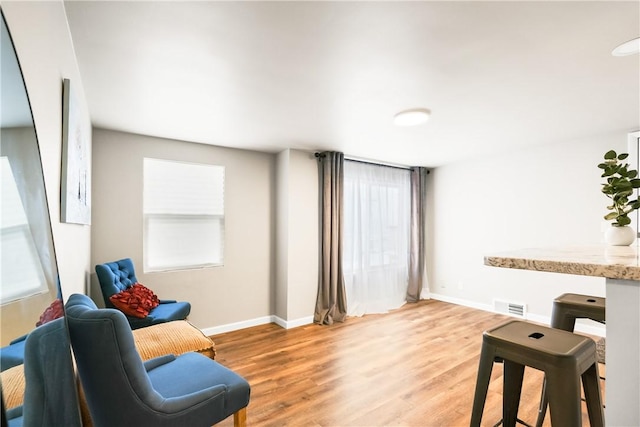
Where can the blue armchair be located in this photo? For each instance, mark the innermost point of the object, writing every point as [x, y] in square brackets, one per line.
[168, 391]
[12, 354]
[50, 397]
[117, 276]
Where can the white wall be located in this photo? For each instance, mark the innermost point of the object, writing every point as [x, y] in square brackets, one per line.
[41, 37]
[303, 236]
[536, 197]
[297, 241]
[241, 291]
[282, 235]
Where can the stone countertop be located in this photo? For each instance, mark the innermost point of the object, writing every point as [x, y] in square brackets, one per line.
[613, 262]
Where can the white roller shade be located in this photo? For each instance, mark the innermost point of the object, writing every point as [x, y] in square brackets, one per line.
[183, 215]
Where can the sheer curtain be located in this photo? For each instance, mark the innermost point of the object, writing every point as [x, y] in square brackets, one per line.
[377, 213]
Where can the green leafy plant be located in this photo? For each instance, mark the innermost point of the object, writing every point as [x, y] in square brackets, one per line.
[621, 181]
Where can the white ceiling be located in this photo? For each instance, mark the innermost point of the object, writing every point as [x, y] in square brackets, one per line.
[330, 75]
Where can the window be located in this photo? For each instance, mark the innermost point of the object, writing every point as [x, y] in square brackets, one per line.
[376, 237]
[183, 215]
[21, 272]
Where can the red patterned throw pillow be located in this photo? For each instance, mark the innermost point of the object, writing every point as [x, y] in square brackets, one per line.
[55, 310]
[135, 301]
[147, 294]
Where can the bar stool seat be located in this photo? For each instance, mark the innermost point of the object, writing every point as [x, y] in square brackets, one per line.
[564, 357]
[566, 309]
[569, 307]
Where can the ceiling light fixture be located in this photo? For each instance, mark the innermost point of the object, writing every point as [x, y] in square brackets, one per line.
[627, 48]
[411, 117]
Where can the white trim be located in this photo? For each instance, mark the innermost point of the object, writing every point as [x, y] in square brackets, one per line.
[466, 303]
[598, 330]
[290, 324]
[230, 327]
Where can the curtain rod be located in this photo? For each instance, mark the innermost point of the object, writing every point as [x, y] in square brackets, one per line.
[372, 162]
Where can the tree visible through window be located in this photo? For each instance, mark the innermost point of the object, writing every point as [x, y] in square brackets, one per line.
[183, 215]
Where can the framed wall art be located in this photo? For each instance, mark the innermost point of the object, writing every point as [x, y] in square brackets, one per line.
[75, 203]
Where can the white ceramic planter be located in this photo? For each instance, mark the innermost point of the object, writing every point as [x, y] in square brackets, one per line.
[620, 236]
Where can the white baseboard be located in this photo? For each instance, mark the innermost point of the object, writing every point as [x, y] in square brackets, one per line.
[463, 302]
[597, 329]
[230, 327]
[289, 324]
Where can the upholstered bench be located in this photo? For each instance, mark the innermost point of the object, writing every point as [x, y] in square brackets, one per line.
[13, 386]
[175, 337]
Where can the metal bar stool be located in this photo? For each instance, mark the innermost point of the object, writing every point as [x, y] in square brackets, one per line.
[564, 357]
[566, 309]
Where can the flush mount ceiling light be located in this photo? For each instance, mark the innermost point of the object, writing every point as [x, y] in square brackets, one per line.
[411, 117]
[627, 48]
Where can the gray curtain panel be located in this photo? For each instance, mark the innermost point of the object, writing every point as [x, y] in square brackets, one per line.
[417, 242]
[331, 304]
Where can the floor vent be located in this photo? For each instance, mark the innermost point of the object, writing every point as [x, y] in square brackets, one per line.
[510, 308]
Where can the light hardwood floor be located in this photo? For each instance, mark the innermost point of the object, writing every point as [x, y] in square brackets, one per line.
[415, 366]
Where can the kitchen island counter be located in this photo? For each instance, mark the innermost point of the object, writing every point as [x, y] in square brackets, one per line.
[620, 266]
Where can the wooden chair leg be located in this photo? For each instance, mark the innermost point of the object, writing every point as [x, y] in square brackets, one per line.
[240, 418]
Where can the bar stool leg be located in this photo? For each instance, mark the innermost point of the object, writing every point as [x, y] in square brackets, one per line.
[564, 399]
[482, 384]
[560, 319]
[513, 375]
[544, 402]
[591, 385]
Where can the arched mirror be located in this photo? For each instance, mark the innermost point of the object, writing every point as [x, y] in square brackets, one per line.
[30, 295]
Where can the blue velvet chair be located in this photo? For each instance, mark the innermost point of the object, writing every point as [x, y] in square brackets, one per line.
[117, 276]
[12, 354]
[50, 396]
[168, 391]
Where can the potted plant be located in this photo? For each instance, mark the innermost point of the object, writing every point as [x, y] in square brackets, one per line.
[619, 187]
